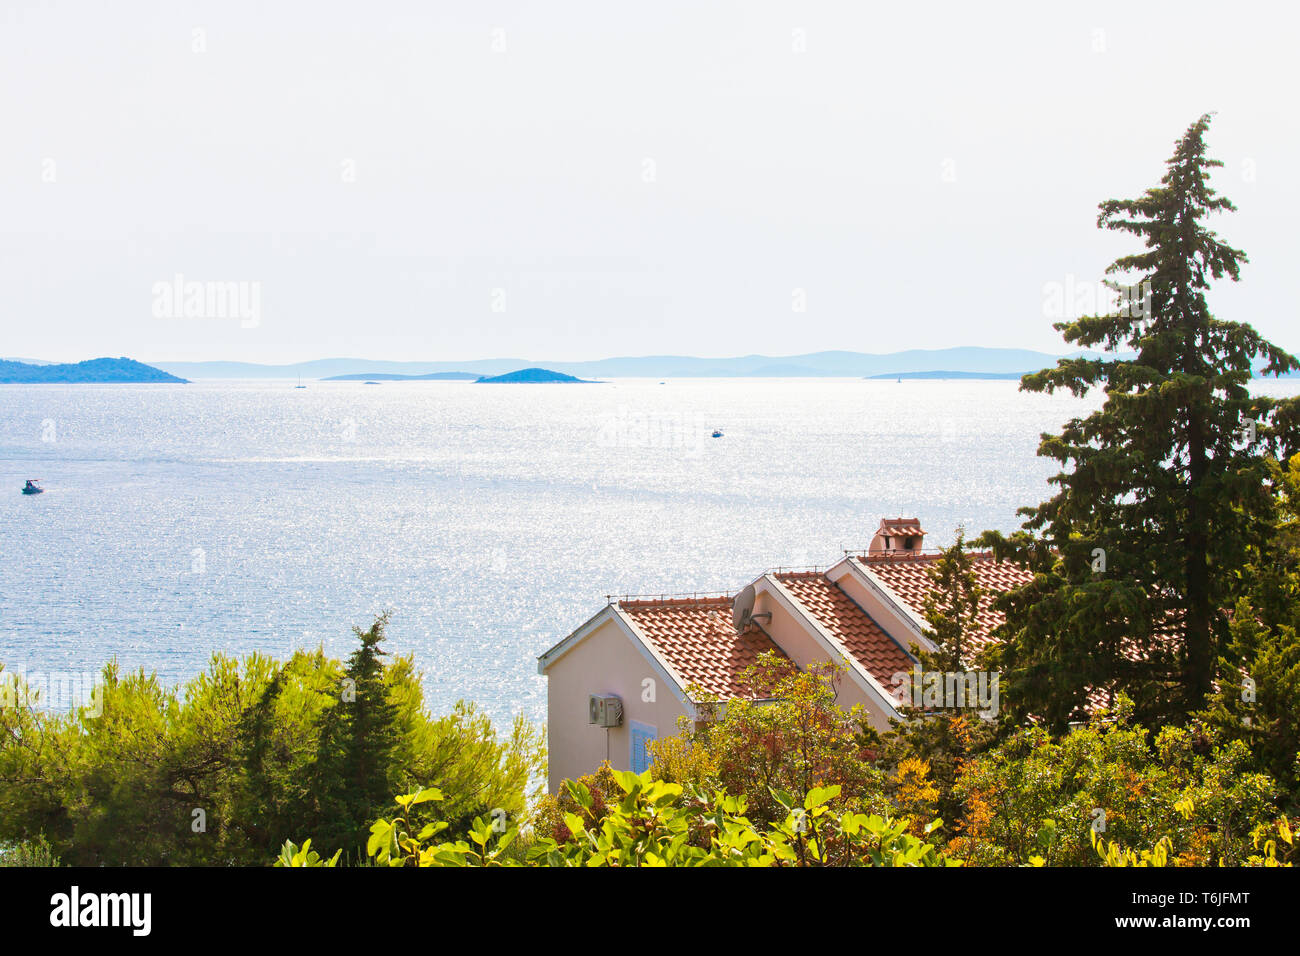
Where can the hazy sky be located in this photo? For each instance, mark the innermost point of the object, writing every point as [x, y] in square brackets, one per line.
[436, 180]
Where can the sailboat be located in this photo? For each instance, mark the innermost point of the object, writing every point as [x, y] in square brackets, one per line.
[300, 384]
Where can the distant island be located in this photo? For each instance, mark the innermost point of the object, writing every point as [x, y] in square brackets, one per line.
[91, 371]
[943, 374]
[535, 376]
[395, 377]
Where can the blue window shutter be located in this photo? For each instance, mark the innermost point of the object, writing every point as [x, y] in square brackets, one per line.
[641, 735]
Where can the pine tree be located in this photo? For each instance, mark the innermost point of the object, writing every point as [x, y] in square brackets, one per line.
[371, 719]
[1164, 490]
[951, 608]
[353, 766]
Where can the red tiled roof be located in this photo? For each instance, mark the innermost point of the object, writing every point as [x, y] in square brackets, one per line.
[907, 576]
[696, 638]
[830, 606]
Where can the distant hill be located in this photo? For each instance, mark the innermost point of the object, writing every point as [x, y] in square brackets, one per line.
[534, 376]
[395, 377]
[100, 370]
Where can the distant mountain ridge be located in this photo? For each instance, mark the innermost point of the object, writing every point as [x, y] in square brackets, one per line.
[834, 364]
[395, 377]
[963, 362]
[100, 370]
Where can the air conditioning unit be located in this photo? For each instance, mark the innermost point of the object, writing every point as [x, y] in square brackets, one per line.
[604, 710]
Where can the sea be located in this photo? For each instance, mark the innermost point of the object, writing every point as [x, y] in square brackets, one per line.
[491, 520]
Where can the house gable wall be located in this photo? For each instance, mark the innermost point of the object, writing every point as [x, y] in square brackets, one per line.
[606, 661]
[792, 635]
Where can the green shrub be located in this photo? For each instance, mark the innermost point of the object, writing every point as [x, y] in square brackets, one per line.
[654, 823]
[224, 769]
[1037, 795]
[34, 852]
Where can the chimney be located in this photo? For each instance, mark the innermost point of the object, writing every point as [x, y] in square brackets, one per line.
[898, 536]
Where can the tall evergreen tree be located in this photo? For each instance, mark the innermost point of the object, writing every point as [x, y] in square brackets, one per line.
[371, 719]
[951, 608]
[353, 764]
[1164, 490]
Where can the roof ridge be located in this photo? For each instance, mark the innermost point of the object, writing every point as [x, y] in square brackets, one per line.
[918, 557]
[669, 601]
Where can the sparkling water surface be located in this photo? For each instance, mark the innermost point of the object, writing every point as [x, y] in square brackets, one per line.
[182, 520]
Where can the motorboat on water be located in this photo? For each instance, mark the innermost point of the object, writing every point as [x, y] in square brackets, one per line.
[717, 433]
[32, 487]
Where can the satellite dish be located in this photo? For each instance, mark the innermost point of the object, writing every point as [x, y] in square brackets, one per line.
[742, 608]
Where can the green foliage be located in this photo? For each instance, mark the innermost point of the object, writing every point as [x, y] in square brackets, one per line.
[463, 755]
[952, 610]
[1035, 795]
[294, 855]
[791, 738]
[34, 852]
[601, 787]
[356, 745]
[1112, 854]
[403, 840]
[1274, 845]
[224, 769]
[926, 749]
[1257, 699]
[654, 823]
[1160, 483]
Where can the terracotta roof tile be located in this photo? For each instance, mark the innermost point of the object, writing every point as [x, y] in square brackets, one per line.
[907, 575]
[830, 606]
[695, 636]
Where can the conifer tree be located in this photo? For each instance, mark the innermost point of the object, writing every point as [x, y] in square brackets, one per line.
[371, 719]
[1165, 489]
[951, 608]
[353, 764]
